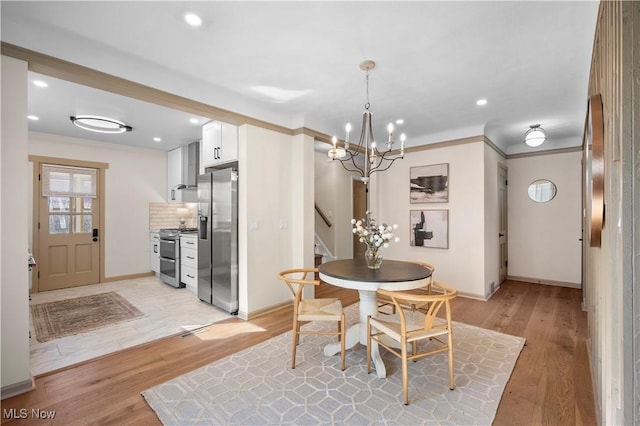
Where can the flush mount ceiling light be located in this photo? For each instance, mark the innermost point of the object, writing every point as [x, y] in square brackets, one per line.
[100, 124]
[535, 136]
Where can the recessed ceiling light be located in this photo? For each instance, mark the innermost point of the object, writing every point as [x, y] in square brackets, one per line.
[481, 102]
[399, 121]
[194, 121]
[40, 83]
[157, 139]
[33, 117]
[94, 123]
[193, 19]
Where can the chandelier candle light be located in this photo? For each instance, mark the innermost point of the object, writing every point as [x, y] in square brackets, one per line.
[375, 237]
[374, 160]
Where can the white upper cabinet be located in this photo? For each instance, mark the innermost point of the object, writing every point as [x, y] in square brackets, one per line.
[209, 144]
[219, 144]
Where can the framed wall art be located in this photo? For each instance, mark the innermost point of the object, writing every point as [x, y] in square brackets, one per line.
[429, 228]
[429, 184]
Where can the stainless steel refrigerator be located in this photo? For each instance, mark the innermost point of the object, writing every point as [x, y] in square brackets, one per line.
[218, 238]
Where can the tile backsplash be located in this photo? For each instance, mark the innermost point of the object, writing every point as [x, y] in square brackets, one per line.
[165, 215]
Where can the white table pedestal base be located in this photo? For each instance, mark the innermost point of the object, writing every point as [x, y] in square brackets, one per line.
[357, 333]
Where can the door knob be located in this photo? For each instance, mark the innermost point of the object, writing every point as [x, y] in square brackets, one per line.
[500, 234]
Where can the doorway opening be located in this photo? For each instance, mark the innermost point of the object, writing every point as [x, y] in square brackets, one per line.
[502, 225]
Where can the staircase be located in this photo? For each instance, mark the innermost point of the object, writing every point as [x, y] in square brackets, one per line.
[322, 250]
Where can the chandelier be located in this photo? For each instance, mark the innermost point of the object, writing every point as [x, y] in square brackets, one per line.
[374, 160]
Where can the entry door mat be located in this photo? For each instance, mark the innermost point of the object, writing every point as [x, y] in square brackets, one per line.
[257, 385]
[52, 320]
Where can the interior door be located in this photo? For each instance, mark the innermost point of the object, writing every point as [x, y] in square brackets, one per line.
[502, 231]
[359, 210]
[68, 239]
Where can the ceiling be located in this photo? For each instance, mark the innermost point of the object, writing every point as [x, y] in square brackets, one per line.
[296, 64]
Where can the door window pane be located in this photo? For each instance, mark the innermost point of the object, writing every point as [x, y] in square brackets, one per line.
[87, 204]
[82, 224]
[78, 219]
[59, 204]
[59, 224]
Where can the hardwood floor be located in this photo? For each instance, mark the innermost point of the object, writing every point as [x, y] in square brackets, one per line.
[550, 385]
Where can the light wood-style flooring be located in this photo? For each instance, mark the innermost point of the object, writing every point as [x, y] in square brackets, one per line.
[550, 384]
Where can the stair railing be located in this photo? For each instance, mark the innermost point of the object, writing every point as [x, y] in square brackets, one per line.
[323, 216]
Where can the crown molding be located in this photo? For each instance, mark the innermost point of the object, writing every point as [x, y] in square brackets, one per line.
[547, 152]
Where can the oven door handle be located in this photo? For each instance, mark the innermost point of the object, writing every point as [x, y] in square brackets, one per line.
[168, 241]
[166, 259]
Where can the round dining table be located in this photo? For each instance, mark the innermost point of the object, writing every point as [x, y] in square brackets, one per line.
[354, 274]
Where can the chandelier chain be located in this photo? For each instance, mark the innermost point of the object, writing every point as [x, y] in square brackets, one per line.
[368, 104]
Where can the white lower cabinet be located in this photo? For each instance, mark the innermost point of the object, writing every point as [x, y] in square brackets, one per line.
[154, 251]
[189, 262]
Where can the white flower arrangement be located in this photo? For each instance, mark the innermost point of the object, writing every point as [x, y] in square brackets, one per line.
[374, 236]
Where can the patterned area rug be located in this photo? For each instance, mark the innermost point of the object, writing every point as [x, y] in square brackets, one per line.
[258, 386]
[52, 320]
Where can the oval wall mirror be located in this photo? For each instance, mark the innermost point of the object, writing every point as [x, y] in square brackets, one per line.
[542, 190]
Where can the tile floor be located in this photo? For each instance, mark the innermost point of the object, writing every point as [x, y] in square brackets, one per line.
[167, 311]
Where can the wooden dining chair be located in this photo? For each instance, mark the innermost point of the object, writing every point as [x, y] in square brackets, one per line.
[325, 309]
[386, 301]
[407, 331]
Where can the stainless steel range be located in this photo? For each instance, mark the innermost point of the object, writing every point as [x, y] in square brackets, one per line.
[170, 255]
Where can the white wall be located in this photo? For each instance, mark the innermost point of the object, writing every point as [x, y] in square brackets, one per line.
[302, 195]
[491, 218]
[135, 178]
[275, 188]
[544, 237]
[333, 194]
[462, 264]
[14, 223]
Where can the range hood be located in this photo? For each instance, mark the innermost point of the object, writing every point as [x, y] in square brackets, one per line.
[190, 170]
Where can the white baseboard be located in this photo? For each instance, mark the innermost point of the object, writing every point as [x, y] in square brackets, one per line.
[259, 312]
[17, 388]
[472, 296]
[544, 281]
